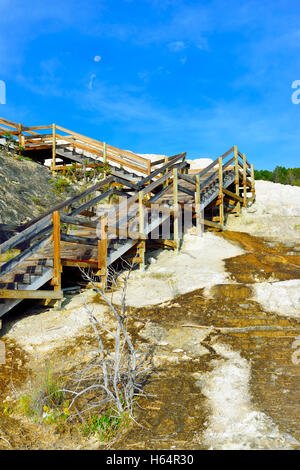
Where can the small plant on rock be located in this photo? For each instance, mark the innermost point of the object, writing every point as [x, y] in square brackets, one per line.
[61, 184]
[46, 400]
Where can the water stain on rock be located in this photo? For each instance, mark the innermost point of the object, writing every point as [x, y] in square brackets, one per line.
[263, 261]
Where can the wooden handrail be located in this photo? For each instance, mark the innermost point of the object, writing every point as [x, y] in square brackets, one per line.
[35, 128]
[99, 144]
[12, 263]
[122, 157]
[70, 201]
[216, 162]
[112, 154]
[161, 169]
[225, 165]
[3, 131]
[8, 123]
[27, 235]
[241, 156]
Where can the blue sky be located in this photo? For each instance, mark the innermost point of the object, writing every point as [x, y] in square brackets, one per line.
[158, 76]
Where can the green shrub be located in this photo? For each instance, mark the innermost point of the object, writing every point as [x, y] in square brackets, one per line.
[280, 175]
[105, 426]
[38, 201]
[60, 184]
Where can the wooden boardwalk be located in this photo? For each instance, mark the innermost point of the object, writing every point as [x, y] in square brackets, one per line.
[150, 196]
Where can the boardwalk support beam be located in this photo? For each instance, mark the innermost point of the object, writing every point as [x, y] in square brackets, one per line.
[53, 165]
[142, 244]
[244, 181]
[57, 266]
[237, 178]
[198, 207]
[221, 196]
[102, 253]
[175, 208]
[252, 182]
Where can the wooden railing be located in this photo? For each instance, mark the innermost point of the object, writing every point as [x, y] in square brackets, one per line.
[31, 139]
[230, 160]
[101, 152]
[37, 233]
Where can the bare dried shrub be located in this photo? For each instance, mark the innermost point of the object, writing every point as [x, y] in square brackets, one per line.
[116, 374]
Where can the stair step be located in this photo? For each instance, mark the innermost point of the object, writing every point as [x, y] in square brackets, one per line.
[23, 278]
[46, 262]
[35, 270]
[9, 285]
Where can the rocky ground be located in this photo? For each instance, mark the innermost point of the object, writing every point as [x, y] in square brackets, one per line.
[20, 198]
[223, 319]
[275, 214]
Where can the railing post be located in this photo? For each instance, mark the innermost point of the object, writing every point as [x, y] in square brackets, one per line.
[142, 244]
[141, 212]
[104, 158]
[165, 183]
[237, 178]
[244, 181]
[57, 267]
[105, 162]
[252, 181]
[141, 250]
[197, 204]
[149, 167]
[102, 252]
[185, 170]
[20, 132]
[221, 203]
[20, 136]
[175, 204]
[53, 147]
[104, 154]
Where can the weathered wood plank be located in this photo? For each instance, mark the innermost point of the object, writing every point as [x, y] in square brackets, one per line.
[6, 267]
[70, 201]
[91, 202]
[77, 239]
[186, 190]
[186, 178]
[30, 294]
[209, 223]
[27, 234]
[175, 205]
[232, 195]
[84, 221]
[215, 162]
[79, 263]
[161, 169]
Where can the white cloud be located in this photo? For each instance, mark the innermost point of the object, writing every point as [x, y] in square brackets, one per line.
[207, 131]
[97, 58]
[91, 82]
[177, 46]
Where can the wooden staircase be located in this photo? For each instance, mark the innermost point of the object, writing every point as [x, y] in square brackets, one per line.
[149, 195]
